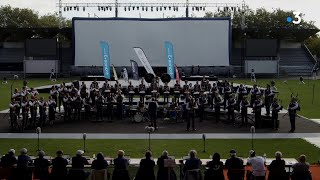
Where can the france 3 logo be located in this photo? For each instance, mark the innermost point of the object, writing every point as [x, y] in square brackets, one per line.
[296, 20]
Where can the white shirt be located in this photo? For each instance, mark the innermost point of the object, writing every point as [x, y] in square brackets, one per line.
[258, 165]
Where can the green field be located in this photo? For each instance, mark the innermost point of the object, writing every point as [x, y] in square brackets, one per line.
[291, 148]
[309, 108]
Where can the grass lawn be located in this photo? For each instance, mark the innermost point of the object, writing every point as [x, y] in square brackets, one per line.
[291, 148]
[5, 89]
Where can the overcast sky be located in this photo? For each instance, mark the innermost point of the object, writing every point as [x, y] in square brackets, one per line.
[309, 7]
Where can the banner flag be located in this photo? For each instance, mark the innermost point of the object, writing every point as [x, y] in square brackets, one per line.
[105, 59]
[135, 72]
[170, 59]
[177, 73]
[144, 60]
[114, 73]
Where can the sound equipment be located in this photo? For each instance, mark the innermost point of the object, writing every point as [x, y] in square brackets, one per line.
[165, 78]
[149, 77]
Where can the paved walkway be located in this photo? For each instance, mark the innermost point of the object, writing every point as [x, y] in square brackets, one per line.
[162, 136]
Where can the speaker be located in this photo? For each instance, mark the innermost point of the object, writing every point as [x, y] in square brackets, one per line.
[149, 77]
[165, 78]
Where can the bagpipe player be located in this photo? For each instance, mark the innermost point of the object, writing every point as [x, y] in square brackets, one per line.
[292, 110]
[231, 103]
[191, 107]
[52, 109]
[217, 102]
[244, 104]
[257, 105]
[275, 108]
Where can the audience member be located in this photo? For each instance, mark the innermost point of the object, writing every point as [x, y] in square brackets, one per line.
[163, 171]
[121, 164]
[235, 166]
[99, 163]
[41, 166]
[192, 165]
[258, 164]
[9, 160]
[277, 168]
[79, 161]
[23, 172]
[215, 168]
[301, 169]
[59, 167]
[146, 169]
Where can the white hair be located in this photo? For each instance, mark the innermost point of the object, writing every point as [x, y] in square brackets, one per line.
[165, 153]
[278, 154]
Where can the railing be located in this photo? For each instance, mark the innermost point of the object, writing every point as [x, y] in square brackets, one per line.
[312, 57]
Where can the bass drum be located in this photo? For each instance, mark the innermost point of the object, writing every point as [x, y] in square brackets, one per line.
[137, 118]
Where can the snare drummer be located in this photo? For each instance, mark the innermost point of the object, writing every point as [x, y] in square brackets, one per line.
[166, 93]
[131, 92]
[142, 90]
[196, 89]
[177, 89]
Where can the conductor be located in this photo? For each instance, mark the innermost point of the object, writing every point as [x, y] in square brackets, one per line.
[152, 108]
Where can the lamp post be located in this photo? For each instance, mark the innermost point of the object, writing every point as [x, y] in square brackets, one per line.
[252, 130]
[38, 131]
[204, 142]
[149, 129]
[84, 137]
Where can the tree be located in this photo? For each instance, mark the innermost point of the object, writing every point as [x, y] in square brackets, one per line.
[313, 43]
[263, 19]
[27, 18]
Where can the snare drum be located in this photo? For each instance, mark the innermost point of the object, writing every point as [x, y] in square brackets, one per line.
[142, 93]
[196, 93]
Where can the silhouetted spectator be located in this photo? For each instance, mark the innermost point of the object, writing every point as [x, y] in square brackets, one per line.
[41, 166]
[145, 170]
[215, 168]
[301, 169]
[99, 163]
[277, 168]
[235, 166]
[192, 165]
[121, 164]
[9, 160]
[23, 171]
[163, 171]
[59, 167]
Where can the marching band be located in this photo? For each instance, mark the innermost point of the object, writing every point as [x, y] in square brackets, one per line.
[109, 100]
